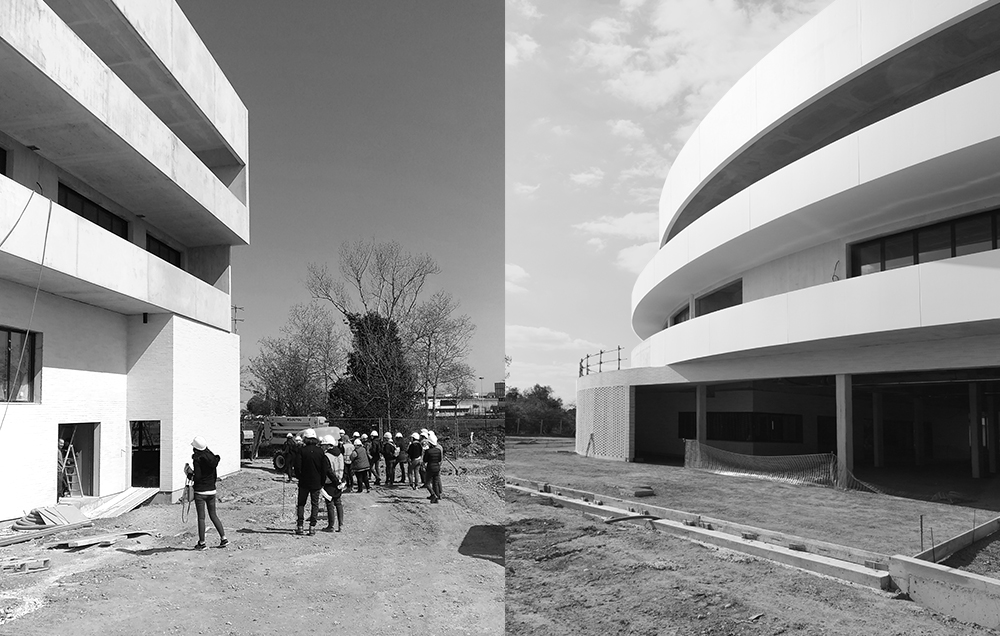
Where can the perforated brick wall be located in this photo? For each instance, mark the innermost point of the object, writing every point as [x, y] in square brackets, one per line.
[605, 422]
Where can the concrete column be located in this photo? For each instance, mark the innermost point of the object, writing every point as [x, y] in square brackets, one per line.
[701, 413]
[991, 432]
[878, 434]
[974, 440]
[845, 427]
[919, 443]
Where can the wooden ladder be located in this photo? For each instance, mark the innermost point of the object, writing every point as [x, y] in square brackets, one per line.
[70, 470]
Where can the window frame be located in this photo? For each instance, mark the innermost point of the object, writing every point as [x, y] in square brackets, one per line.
[8, 361]
[102, 217]
[157, 248]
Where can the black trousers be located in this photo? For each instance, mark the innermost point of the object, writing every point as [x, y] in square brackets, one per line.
[300, 506]
[362, 477]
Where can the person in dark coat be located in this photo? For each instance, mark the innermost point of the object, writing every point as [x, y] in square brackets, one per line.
[400, 459]
[433, 456]
[288, 451]
[311, 469]
[374, 453]
[202, 471]
[415, 453]
[388, 449]
[361, 466]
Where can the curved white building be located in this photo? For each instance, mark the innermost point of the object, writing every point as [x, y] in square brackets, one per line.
[828, 267]
[123, 188]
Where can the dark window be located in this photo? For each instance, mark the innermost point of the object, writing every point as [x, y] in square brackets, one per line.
[729, 296]
[681, 315]
[899, 250]
[17, 366]
[164, 251]
[934, 243]
[974, 234]
[957, 237]
[76, 202]
[3, 162]
[745, 427]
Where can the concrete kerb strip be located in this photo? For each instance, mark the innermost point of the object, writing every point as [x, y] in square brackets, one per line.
[968, 597]
[942, 551]
[873, 560]
[803, 560]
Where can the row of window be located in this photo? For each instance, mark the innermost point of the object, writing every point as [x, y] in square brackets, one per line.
[978, 232]
[17, 365]
[955, 237]
[744, 427]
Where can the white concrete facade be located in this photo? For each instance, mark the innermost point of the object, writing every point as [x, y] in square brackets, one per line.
[876, 119]
[121, 335]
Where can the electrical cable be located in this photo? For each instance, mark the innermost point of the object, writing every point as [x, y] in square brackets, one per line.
[34, 302]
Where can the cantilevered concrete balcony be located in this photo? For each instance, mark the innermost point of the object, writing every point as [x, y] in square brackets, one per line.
[152, 47]
[59, 97]
[86, 263]
[933, 160]
[855, 63]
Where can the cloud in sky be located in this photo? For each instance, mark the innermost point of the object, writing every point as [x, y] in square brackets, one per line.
[626, 128]
[525, 189]
[518, 47]
[544, 339]
[562, 131]
[589, 178]
[633, 226]
[597, 243]
[634, 258]
[524, 8]
[514, 275]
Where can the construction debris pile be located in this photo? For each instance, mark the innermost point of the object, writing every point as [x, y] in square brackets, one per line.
[50, 517]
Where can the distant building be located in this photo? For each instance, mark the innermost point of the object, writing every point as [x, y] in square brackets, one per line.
[123, 188]
[447, 406]
[828, 256]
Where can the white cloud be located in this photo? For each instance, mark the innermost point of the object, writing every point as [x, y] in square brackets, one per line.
[634, 225]
[645, 195]
[524, 8]
[634, 258]
[589, 178]
[525, 189]
[514, 275]
[625, 128]
[543, 339]
[598, 243]
[562, 131]
[631, 5]
[518, 47]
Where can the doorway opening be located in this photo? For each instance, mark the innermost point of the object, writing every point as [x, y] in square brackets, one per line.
[82, 439]
[145, 453]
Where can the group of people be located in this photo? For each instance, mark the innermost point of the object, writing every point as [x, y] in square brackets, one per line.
[353, 463]
[326, 468]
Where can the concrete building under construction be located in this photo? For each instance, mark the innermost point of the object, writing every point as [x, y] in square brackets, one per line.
[123, 188]
[828, 263]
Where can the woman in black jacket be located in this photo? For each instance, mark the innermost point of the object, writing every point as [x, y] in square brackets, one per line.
[203, 474]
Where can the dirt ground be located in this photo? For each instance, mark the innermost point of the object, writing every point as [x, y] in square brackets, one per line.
[401, 565]
[570, 575]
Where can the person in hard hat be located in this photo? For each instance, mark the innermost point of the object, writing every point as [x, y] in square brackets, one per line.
[333, 485]
[401, 459]
[62, 483]
[374, 449]
[433, 456]
[202, 471]
[311, 469]
[389, 454]
[288, 450]
[415, 453]
[361, 465]
[348, 448]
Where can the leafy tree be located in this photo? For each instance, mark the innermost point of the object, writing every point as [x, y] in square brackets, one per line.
[538, 412]
[378, 381]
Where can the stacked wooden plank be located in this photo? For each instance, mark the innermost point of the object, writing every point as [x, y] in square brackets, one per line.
[49, 517]
[22, 566]
[120, 503]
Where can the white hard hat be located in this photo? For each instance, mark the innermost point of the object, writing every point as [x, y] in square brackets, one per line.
[199, 443]
[364, 436]
[375, 433]
[309, 434]
[289, 435]
[357, 434]
[388, 435]
[399, 434]
[431, 436]
[328, 440]
[415, 436]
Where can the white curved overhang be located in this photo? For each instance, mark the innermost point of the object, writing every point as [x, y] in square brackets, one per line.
[60, 98]
[940, 155]
[911, 304]
[853, 64]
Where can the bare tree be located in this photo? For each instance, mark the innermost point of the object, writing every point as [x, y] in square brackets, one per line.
[296, 370]
[383, 278]
[441, 343]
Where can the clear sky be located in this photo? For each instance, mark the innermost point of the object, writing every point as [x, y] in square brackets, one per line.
[367, 119]
[600, 97]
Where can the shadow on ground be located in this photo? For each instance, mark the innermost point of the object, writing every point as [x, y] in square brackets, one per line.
[484, 542]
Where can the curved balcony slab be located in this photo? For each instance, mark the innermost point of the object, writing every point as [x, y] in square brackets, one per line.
[854, 64]
[935, 158]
